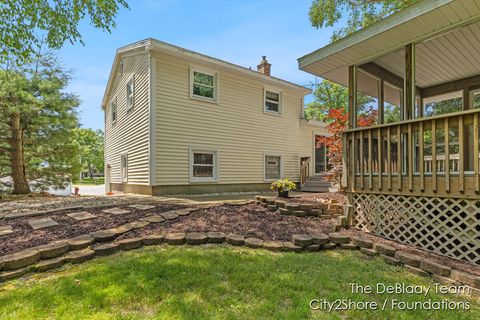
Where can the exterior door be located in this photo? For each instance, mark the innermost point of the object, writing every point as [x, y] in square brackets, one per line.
[321, 159]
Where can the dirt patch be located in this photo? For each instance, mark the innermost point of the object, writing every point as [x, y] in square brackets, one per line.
[452, 263]
[250, 220]
[24, 237]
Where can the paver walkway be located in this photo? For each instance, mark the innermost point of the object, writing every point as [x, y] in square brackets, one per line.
[42, 223]
[116, 211]
[81, 216]
[4, 230]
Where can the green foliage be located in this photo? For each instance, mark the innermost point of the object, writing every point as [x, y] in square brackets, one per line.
[328, 13]
[47, 117]
[329, 96]
[90, 145]
[25, 25]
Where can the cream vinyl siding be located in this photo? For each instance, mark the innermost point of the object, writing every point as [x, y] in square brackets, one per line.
[130, 133]
[235, 126]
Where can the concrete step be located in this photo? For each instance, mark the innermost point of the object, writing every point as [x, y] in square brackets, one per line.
[318, 183]
[319, 189]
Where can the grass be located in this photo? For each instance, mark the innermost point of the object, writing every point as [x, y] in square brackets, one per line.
[90, 181]
[213, 283]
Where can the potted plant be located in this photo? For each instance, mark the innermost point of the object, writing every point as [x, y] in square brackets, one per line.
[283, 186]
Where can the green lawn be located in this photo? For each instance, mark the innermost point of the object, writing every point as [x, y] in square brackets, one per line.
[212, 283]
[89, 181]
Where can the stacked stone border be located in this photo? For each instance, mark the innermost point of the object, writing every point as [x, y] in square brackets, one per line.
[321, 210]
[103, 243]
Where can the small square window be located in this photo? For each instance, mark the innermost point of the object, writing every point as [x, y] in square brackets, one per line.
[113, 109]
[203, 85]
[272, 102]
[203, 166]
[272, 167]
[130, 93]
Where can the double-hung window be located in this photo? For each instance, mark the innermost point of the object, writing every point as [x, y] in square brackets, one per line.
[113, 109]
[203, 165]
[203, 85]
[272, 102]
[130, 93]
[273, 167]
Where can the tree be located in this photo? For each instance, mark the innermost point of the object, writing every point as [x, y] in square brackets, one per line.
[338, 121]
[90, 145]
[360, 13]
[25, 25]
[36, 121]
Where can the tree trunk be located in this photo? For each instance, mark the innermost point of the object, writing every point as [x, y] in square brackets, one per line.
[90, 171]
[20, 182]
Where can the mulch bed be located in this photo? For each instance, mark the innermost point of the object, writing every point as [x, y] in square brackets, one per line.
[452, 263]
[251, 220]
[24, 237]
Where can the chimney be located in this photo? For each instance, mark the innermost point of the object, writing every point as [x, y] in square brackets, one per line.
[264, 66]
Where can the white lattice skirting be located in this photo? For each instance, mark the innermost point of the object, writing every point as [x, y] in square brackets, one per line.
[442, 225]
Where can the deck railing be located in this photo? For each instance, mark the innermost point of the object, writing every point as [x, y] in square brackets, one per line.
[410, 156]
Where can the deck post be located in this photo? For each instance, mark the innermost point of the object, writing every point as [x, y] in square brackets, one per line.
[352, 96]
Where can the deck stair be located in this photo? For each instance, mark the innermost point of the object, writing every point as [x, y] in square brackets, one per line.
[318, 183]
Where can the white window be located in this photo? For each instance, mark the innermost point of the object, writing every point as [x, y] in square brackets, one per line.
[475, 99]
[130, 93]
[203, 165]
[124, 166]
[113, 109]
[272, 102]
[273, 167]
[203, 85]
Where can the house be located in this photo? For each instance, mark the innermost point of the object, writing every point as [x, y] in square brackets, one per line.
[413, 176]
[179, 122]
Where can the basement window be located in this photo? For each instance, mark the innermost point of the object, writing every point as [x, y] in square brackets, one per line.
[124, 167]
[203, 166]
[203, 85]
[272, 102]
[272, 167]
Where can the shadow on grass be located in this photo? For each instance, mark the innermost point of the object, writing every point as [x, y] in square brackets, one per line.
[213, 283]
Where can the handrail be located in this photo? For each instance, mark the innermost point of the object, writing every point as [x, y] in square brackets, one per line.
[304, 171]
[418, 120]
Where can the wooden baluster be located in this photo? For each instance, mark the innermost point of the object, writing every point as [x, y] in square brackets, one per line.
[461, 149]
[410, 157]
[380, 157]
[370, 156]
[475, 153]
[421, 156]
[389, 157]
[446, 129]
[399, 157]
[434, 156]
[353, 161]
[361, 159]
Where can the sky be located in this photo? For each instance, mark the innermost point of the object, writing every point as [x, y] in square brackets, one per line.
[238, 31]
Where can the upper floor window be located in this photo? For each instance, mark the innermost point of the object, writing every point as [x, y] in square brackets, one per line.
[203, 85]
[113, 109]
[130, 93]
[272, 102]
